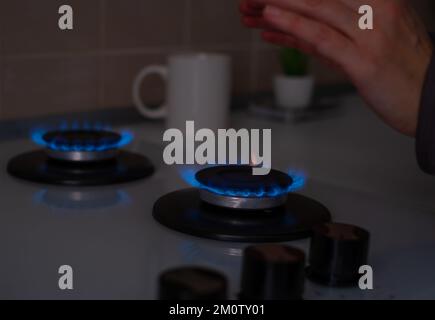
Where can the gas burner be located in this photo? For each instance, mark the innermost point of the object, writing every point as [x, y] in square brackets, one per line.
[82, 145]
[80, 157]
[235, 187]
[230, 204]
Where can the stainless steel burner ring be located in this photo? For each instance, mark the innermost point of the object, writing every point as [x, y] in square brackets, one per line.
[241, 203]
[82, 156]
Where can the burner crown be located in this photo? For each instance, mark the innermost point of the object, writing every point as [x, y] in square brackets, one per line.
[238, 181]
[86, 139]
[82, 140]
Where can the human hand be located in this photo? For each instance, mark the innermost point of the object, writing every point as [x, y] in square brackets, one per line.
[387, 64]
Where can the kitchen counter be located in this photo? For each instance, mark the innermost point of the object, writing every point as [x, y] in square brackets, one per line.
[365, 173]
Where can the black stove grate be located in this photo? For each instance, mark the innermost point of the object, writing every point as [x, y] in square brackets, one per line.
[184, 211]
[36, 166]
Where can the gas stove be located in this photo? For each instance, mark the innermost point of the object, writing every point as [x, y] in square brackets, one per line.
[231, 204]
[109, 235]
[80, 156]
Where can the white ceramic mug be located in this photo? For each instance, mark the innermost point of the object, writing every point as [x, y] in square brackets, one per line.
[198, 89]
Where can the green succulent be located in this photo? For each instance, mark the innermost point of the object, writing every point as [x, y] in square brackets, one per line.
[294, 62]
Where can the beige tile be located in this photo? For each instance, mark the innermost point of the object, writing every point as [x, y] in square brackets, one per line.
[266, 67]
[118, 73]
[32, 26]
[140, 23]
[217, 21]
[242, 72]
[2, 25]
[1, 86]
[47, 86]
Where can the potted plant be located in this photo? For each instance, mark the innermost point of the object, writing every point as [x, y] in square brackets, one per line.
[293, 88]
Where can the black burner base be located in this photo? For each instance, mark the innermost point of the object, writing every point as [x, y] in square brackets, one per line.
[37, 167]
[183, 211]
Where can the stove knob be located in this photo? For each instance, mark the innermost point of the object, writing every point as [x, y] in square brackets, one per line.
[272, 272]
[337, 252]
[192, 283]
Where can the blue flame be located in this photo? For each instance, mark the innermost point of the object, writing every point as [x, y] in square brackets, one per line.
[299, 181]
[37, 136]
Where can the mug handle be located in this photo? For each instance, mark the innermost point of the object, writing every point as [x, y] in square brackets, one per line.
[145, 110]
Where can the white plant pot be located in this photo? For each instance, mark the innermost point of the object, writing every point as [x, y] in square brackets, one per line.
[293, 92]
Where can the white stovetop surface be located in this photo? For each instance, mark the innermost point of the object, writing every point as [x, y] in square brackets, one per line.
[362, 171]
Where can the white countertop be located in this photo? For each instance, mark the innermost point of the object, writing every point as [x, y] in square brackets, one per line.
[365, 173]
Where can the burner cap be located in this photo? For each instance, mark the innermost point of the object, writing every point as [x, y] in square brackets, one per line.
[237, 188]
[82, 145]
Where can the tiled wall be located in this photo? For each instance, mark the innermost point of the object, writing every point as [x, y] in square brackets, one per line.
[44, 70]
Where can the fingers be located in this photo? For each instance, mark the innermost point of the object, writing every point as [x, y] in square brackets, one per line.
[251, 8]
[282, 39]
[252, 14]
[256, 23]
[356, 4]
[335, 13]
[319, 27]
[253, 22]
[324, 40]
